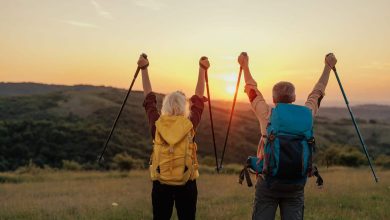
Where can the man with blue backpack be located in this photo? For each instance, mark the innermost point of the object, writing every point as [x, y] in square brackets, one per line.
[285, 151]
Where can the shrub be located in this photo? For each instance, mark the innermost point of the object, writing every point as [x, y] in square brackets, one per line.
[342, 155]
[91, 166]
[383, 160]
[373, 121]
[71, 165]
[125, 162]
[227, 169]
[10, 179]
[30, 168]
[204, 169]
[351, 158]
[208, 161]
[232, 168]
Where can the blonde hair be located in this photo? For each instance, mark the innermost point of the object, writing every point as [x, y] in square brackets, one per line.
[175, 104]
[283, 92]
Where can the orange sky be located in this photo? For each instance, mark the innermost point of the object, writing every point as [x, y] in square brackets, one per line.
[98, 41]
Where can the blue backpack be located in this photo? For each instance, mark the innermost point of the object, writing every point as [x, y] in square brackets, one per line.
[289, 147]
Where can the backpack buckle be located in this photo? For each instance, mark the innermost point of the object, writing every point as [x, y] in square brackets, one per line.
[271, 137]
[311, 141]
[312, 144]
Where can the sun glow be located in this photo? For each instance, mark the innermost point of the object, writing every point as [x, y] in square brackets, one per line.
[226, 83]
[230, 89]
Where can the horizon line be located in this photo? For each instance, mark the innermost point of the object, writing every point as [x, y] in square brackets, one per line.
[334, 103]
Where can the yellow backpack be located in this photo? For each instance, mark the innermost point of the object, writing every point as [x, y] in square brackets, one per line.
[174, 161]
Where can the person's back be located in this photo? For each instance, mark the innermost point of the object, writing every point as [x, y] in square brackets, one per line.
[283, 181]
[173, 165]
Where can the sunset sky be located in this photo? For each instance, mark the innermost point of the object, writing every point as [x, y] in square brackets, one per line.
[98, 42]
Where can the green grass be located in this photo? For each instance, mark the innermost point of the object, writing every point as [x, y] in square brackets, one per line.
[348, 194]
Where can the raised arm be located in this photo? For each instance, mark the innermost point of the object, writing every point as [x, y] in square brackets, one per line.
[143, 63]
[318, 92]
[150, 102]
[258, 103]
[204, 64]
[197, 100]
[243, 60]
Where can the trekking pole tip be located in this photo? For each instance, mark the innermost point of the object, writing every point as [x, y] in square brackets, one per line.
[144, 55]
[100, 159]
[328, 54]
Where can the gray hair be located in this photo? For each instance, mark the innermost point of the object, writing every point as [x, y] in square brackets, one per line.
[175, 103]
[283, 92]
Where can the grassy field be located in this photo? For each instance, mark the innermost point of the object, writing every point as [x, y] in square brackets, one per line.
[348, 194]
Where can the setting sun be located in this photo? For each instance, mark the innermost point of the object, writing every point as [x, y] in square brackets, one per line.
[225, 84]
[230, 89]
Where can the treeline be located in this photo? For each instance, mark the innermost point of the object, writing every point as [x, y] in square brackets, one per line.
[36, 129]
[348, 156]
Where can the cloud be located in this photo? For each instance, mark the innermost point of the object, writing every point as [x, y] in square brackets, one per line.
[79, 24]
[101, 11]
[149, 4]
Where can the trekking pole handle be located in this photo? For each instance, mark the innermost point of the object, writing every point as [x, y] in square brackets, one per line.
[333, 68]
[206, 77]
[203, 67]
[146, 58]
[245, 55]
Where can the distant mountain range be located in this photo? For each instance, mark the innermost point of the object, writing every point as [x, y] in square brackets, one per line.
[28, 88]
[49, 123]
[366, 112]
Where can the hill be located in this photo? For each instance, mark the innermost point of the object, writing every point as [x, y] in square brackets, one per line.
[51, 123]
[29, 88]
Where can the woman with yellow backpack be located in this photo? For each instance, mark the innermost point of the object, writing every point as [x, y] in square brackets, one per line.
[173, 163]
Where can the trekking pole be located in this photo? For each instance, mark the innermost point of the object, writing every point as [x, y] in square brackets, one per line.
[231, 116]
[211, 117]
[354, 123]
[120, 111]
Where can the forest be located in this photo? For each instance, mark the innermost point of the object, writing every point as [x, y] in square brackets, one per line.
[48, 125]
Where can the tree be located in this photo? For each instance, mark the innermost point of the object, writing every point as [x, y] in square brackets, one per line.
[125, 162]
